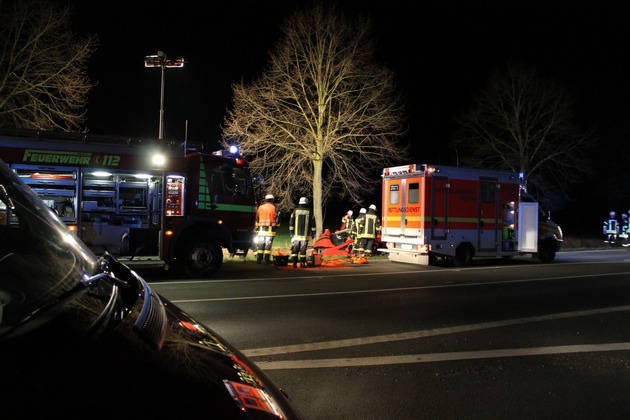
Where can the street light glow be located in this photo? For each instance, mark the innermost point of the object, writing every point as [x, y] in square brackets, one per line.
[162, 61]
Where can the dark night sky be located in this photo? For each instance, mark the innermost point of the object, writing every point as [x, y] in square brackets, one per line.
[441, 53]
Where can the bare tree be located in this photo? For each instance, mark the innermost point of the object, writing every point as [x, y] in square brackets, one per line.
[524, 123]
[43, 80]
[323, 113]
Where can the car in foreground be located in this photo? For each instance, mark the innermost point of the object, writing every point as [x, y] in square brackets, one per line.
[82, 335]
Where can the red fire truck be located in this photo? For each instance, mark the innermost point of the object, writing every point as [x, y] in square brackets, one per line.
[179, 211]
[433, 212]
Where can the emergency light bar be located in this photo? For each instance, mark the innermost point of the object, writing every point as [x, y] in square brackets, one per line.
[400, 170]
[232, 152]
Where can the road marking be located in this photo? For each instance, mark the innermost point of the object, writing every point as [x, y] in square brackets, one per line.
[393, 289]
[437, 357]
[432, 357]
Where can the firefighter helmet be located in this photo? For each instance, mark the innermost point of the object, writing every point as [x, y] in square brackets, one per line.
[362, 210]
[303, 200]
[373, 207]
[612, 214]
[269, 197]
[350, 212]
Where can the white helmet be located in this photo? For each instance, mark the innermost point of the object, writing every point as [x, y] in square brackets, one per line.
[269, 197]
[612, 214]
[362, 210]
[303, 200]
[350, 212]
[373, 207]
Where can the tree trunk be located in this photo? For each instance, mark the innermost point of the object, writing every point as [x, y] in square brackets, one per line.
[317, 196]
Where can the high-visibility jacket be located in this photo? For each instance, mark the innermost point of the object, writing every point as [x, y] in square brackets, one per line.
[611, 226]
[347, 223]
[367, 225]
[267, 219]
[302, 224]
[625, 227]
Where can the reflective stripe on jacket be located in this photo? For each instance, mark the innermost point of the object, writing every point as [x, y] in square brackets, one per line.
[611, 226]
[302, 224]
[266, 219]
[367, 226]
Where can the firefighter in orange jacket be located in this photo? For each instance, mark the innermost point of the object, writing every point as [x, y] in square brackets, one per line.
[267, 221]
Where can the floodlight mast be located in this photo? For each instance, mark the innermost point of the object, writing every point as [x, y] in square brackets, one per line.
[160, 60]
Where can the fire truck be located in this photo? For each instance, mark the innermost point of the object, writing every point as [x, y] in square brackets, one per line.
[436, 212]
[147, 202]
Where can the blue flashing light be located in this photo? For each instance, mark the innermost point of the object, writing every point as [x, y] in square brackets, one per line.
[232, 152]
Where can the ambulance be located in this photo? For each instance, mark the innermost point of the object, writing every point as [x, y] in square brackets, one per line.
[178, 212]
[436, 212]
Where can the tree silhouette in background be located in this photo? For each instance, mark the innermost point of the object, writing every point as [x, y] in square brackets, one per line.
[524, 123]
[323, 118]
[43, 79]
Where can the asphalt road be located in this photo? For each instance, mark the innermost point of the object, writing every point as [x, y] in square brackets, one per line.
[500, 339]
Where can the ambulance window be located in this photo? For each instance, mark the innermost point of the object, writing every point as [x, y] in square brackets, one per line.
[413, 196]
[394, 194]
[488, 191]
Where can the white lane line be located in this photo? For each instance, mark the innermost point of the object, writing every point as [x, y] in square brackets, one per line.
[393, 289]
[335, 344]
[438, 357]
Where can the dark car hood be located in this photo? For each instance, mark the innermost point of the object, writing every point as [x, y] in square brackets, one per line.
[183, 371]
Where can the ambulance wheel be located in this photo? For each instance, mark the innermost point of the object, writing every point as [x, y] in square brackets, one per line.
[547, 251]
[463, 256]
[201, 258]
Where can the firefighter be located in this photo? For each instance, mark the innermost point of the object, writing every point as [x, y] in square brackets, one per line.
[368, 227]
[347, 223]
[624, 229]
[267, 222]
[611, 229]
[358, 250]
[368, 224]
[301, 230]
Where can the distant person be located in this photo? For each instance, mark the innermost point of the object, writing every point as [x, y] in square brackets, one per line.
[267, 222]
[611, 229]
[301, 230]
[624, 229]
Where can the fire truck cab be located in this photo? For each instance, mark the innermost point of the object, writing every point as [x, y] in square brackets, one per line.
[433, 212]
[179, 212]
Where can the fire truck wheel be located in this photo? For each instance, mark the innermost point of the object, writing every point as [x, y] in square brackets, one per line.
[463, 256]
[201, 258]
[547, 251]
